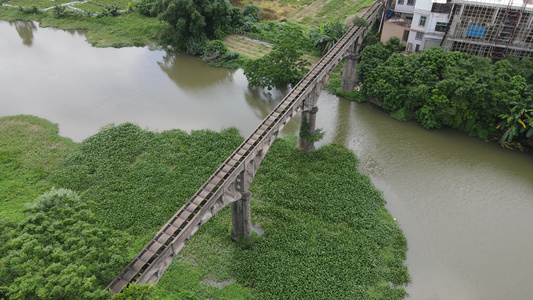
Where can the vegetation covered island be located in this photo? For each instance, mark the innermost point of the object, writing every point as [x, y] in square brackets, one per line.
[326, 230]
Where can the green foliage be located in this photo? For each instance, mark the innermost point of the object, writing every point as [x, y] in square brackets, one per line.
[450, 89]
[145, 7]
[214, 50]
[193, 21]
[137, 179]
[283, 65]
[325, 36]
[401, 115]
[137, 292]
[59, 10]
[371, 57]
[30, 149]
[60, 252]
[361, 22]
[111, 10]
[33, 10]
[139, 170]
[305, 134]
[250, 13]
[517, 123]
[327, 234]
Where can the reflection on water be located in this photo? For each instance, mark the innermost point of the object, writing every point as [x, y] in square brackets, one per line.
[464, 205]
[25, 31]
[83, 88]
[189, 72]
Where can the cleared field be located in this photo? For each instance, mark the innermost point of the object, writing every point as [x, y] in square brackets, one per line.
[246, 48]
[254, 50]
[316, 13]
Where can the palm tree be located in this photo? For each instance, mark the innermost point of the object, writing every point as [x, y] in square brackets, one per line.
[326, 35]
[518, 123]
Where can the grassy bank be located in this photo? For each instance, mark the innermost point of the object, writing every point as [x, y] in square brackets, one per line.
[30, 149]
[131, 29]
[326, 231]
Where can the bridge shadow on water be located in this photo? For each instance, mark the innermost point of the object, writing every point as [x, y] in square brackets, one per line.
[269, 99]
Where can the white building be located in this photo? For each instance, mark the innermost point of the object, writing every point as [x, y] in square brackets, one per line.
[493, 28]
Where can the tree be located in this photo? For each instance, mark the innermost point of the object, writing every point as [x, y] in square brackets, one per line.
[326, 35]
[283, 65]
[517, 123]
[194, 21]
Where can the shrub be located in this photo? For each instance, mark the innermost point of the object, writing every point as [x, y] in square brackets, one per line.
[145, 7]
[59, 10]
[60, 252]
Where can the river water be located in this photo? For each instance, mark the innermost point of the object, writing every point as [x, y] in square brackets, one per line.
[465, 206]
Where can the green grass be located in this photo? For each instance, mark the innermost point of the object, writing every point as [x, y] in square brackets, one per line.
[98, 5]
[337, 9]
[128, 29]
[39, 3]
[30, 149]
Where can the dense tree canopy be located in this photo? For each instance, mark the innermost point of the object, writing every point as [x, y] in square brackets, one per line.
[59, 252]
[453, 89]
[192, 22]
[283, 65]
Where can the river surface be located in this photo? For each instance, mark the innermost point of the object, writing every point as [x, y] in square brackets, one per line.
[465, 206]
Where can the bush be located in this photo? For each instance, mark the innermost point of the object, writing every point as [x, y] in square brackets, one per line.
[60, 252]
[230, 55]
[59, 10]
[195, 45]
[401, 115]
[30, 11]
[357, 21]
[214, 49]
[137, 292]
[145, 7]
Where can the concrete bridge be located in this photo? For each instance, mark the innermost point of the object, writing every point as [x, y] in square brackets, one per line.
[231, 181]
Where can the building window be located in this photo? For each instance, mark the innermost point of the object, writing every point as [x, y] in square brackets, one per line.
[410, 2]
[417, 48]
[405, 35]
[441, 26]
[422, 22]
[400, 2]
[419, 36]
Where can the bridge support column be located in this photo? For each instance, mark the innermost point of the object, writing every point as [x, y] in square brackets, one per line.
[349, 73]
[307, 129]
[241, 218]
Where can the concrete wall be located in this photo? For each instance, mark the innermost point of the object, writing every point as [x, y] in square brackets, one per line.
[391, 29]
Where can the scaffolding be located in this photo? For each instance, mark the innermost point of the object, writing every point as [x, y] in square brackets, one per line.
[491, 28]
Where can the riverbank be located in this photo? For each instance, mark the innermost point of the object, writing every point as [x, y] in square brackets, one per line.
[126, 30]
[322, 220]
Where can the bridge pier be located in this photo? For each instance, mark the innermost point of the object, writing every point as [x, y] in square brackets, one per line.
[307, 129]
[241, 218]
[349, 73]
